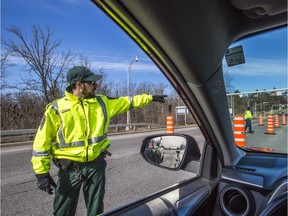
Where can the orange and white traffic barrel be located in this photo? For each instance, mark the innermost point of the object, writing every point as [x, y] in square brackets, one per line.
[169, 124]
[270, 125]
[277, 125]
[284, 120]
[239, 130]
[261, 121]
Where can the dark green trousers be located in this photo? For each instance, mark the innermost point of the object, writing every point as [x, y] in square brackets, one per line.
[68, 189]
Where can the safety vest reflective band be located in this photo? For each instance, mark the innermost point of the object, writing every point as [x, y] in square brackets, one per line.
[92, 140]
[97, 139]
[68, 145]
[62, 144]
[103, 106]
[81, 143]
[40, 153]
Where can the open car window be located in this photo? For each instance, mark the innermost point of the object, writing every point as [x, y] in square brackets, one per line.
[255, 73]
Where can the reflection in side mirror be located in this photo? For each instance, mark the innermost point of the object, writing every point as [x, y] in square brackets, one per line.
[171, 151]
[166, 151]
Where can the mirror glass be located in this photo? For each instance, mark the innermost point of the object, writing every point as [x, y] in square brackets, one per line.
[166, 151]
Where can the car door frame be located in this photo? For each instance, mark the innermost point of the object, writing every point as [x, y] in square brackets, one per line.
[194, 196]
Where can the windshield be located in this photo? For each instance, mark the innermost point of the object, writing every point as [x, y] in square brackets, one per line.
[255, 73]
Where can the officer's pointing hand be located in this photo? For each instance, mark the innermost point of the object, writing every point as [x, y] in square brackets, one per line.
[159, 98]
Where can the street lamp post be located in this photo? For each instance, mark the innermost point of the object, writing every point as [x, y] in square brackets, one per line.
[128, 89]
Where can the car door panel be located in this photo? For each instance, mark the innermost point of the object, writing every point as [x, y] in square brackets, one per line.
[183, 200]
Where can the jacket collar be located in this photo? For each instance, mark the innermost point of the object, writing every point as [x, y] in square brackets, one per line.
[72, 97]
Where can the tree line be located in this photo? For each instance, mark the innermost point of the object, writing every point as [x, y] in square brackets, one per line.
[262, 102]
[44, 80]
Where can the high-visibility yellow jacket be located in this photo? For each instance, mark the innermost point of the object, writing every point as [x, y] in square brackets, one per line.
[76, 129]
[248, 115]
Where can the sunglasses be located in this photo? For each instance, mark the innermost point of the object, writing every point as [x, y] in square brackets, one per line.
[89, 82]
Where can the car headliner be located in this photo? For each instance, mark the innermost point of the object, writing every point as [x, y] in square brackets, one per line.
[187, 40]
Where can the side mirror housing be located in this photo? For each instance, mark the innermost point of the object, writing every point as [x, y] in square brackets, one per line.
[171, 151]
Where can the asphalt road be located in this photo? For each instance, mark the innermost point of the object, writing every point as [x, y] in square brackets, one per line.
[128, 177]
[277, 141]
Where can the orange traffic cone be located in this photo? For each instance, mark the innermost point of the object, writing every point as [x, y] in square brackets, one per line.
[169, 124]
[239, 130]
[261, 121]
[284, 120]
[270, 126]
[277, 121]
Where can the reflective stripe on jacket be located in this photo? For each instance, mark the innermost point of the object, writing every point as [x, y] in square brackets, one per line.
[77, 129]
[248, 115]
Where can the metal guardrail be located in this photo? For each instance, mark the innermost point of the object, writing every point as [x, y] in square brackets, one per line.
[6, 133]
[12, 136]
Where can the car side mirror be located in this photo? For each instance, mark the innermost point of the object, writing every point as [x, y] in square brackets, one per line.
[172, 151]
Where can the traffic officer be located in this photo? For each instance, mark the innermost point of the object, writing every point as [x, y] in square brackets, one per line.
[248, 116]
[73, 132]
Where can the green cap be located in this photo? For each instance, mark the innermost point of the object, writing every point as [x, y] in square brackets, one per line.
[81, 73]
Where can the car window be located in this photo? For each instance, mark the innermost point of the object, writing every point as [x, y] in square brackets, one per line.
[129, 73]
[255, 73]
[158, 178]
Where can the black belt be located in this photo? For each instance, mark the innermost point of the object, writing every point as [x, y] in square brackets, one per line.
[68, 165]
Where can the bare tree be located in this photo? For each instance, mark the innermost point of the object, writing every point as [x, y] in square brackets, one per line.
[155, 112]
[44, 64]
[228, 80]
[4, 65]
[104, 85]
[20, 110]
[84, 61]
[118, 89]
[174, 100]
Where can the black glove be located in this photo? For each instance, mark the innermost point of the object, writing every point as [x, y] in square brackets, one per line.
[45, 181]
[159, 98]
